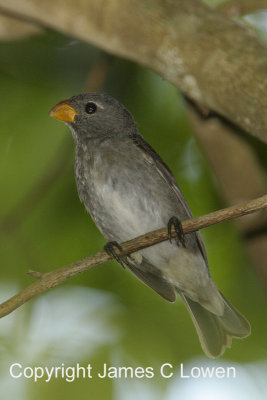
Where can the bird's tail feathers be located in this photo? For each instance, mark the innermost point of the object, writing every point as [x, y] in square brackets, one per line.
[216, 332]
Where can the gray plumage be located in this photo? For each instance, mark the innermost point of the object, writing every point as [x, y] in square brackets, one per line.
[128, 190]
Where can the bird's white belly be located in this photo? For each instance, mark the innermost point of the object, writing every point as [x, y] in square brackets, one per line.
[127, 215]
[130, 215]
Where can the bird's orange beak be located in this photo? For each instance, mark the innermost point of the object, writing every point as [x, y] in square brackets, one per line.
[63, 111]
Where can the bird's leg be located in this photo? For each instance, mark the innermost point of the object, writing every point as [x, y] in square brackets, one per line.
[110, 249]
[176, 224]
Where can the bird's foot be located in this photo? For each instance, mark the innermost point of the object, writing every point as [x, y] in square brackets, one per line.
[110, 250]
[176, 224]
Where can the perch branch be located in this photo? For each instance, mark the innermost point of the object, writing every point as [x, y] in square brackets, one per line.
[53, 278]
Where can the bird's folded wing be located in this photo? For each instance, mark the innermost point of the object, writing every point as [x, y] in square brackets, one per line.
[153, 278]
[167, 175]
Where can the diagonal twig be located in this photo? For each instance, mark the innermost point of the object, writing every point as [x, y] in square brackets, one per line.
[53, 278]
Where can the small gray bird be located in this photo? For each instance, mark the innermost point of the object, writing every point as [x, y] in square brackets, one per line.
[129, 191]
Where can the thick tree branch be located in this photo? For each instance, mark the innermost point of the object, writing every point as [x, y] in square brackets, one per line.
[220, 141]
[51, 279]
[235, 8]
[214, 60]
[234, 162]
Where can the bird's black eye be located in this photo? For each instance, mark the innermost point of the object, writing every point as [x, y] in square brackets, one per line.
[90, 107]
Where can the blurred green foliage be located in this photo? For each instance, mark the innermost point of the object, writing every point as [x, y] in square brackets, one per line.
[52, 228]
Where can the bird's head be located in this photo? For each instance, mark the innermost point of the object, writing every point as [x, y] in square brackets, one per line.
[94, 115]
